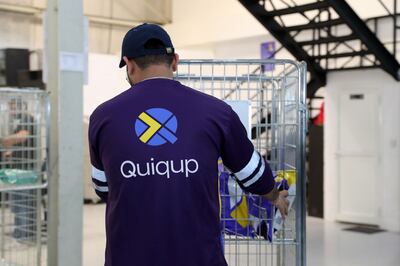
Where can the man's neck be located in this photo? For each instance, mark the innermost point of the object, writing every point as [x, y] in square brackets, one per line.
[155, 72]
[157, 78]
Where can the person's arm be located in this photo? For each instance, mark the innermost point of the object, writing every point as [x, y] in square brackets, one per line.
[100, 184]
[250, 169]
[14, 139]
[25, 128]
[21, 134]
[99, 178]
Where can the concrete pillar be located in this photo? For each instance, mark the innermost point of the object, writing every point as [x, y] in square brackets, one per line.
[65, 60]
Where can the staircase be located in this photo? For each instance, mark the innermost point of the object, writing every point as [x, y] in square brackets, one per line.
[329, 37]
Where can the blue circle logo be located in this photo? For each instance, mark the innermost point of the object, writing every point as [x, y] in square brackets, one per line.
[156, 126]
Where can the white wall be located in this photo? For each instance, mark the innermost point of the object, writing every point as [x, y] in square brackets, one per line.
[105, 81]
[243, 48]
[207, 21]
[225, 29]
[389, 142]
[199, 22]
[247, 48]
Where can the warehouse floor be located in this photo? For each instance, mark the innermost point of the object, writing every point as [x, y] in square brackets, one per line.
[328, 244]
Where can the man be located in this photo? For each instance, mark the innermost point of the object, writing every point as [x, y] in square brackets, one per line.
[21, 144]
[20, 153]
[154, 151]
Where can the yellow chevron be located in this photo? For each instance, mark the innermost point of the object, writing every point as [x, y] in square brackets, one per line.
[154, 126]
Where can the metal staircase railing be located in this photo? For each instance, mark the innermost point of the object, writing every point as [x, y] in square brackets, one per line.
[334, 37]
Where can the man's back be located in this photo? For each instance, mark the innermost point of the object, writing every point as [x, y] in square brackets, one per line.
[158, 144]
[154, 152]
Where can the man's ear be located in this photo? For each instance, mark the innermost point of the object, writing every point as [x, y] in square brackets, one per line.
[130, 66]
[175, 62]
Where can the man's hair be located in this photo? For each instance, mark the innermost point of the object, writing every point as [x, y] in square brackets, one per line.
[145, 61]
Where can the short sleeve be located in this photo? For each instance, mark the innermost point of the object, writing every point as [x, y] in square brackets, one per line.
[252, 172]
[99, 178]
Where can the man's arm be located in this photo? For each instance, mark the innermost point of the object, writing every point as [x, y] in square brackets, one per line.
[99, 178]
[252, 172]
[14, 139]
[100, 185]
[25, 128]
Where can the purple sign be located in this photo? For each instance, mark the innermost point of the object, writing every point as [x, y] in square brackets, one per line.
[268, 52]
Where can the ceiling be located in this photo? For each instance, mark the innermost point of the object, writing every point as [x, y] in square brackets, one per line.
[131, 11]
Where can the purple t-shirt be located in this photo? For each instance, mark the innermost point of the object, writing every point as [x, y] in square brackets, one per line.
[154, 151]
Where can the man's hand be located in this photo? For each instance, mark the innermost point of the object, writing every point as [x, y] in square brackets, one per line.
[282, 203]
[279, 200]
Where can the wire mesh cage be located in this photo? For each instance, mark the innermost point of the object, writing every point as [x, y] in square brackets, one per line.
[253, 233]
[23, 144]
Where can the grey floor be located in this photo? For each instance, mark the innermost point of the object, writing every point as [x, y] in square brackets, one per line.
[327, 243]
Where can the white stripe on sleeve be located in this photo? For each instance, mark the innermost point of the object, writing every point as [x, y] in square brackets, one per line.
[250, 167]
[257, 176]
[100, 188]
[98, 174]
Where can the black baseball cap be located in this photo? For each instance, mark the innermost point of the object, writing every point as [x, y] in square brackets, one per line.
[135, 40]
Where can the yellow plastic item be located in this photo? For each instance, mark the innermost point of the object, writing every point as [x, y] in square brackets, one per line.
[241, 213]
[289, 175]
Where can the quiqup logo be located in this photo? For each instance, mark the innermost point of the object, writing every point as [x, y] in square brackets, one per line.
[156, 126]
[169, 168]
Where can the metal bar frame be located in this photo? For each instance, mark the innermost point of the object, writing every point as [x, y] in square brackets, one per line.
[300, 105]
[42, 140]
[302, 183]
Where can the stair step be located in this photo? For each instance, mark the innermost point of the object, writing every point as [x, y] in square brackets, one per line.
[330, 40]
[298, 9]
[315, 25]
[349, 54]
